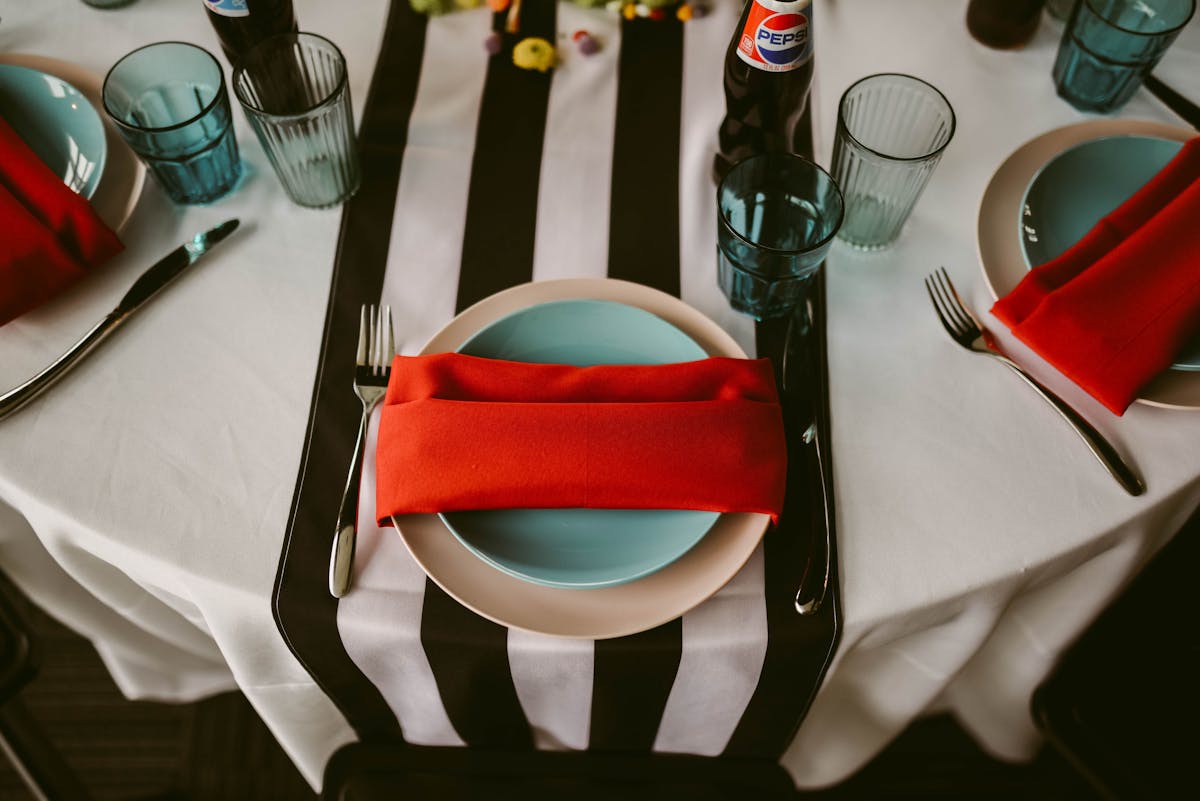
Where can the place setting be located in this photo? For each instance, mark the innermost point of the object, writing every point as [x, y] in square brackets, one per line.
[575, 571]
[78, 147]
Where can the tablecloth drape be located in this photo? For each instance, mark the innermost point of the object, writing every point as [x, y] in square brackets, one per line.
[148, 495]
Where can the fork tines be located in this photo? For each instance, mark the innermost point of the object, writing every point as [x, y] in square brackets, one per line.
[376, 342]
[954, 314]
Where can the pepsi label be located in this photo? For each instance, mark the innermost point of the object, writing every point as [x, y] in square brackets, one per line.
[228, 8]
[777, 36]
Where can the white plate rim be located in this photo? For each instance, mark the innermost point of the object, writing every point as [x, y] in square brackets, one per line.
[604, 612]
[123, 175]
[998, 239]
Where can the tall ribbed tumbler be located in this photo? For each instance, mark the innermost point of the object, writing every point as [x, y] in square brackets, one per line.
[891, 132]
[296, 94]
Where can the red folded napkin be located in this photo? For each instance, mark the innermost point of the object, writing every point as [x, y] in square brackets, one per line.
[49, 236]
[460, 432]
[1116, 308]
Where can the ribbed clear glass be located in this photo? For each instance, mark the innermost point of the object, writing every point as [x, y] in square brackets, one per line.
[294, 90]
[891, 132]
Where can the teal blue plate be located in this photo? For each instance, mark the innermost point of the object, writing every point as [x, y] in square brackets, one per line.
[57, 122]
[1080, 186]
[581, 548]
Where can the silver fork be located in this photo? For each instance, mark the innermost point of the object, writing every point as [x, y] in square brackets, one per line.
[373, 366]
[967, 331]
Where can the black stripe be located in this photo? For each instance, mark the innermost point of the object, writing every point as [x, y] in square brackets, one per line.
[643, 234]
[634, 675]
[468, 654]
[505, 171]
[633, 678]
[799, 648]
[304, 611]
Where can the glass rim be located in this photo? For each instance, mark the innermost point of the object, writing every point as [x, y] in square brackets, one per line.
[821, 171]
[173, 126]
[841, 120]
[1091, 4]
[296, 37]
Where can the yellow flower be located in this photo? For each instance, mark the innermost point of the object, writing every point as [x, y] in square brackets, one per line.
[534, 53]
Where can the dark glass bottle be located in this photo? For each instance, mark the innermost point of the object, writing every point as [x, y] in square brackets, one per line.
[768, 74]
[1004, 24]
[241, 24]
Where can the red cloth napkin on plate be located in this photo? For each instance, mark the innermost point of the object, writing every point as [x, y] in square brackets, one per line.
[49, 236]
[1115, 309]
[460, 432]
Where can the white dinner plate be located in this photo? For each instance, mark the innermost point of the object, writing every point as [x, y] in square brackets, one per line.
[584, 613]
[124, 174]
[999, 240]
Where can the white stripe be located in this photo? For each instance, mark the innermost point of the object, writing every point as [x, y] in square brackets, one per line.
[724, 645]
[576, 169]
[425, 251]
[380, 621]
[380, 624]
[553, 678]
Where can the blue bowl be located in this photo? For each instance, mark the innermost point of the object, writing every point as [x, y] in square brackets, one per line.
[57, 122]
[1080, 186]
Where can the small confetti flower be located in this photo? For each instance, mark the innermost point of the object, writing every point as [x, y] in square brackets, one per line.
[587, 44]
[534, 53]
[492, 43]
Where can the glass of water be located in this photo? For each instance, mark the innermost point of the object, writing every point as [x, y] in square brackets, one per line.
[1108, 46]
[169, 102]
[778, 214]
[296, 94]
[891, 132]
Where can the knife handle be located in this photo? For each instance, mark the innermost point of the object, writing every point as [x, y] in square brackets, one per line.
[19, 396]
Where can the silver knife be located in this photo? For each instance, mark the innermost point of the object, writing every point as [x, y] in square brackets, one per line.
[145, 287]
[814, 583]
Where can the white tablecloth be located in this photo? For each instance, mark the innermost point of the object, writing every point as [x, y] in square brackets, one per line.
[147, 496]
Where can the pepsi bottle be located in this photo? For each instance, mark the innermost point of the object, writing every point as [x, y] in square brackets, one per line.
[768, 74]
[241, 24]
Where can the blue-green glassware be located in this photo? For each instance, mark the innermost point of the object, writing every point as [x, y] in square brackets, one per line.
[1108, 46]
[778, 214]
[295, 92]
[169, 102]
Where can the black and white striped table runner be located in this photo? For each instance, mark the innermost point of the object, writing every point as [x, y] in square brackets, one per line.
[502, 175]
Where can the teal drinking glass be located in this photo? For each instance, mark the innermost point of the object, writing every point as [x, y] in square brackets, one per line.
[169, 102]
[778, 214]
[1108, 46]
[295, 91]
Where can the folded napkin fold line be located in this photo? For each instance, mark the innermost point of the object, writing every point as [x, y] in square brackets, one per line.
[52, 236]
[1116, 226]
[700, 448]
[452, 376]
[1116, 308]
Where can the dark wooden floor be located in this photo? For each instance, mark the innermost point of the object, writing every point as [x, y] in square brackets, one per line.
[219, 750]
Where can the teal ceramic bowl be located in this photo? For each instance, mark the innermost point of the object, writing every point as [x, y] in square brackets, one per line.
[57, 122]
[581, 548]
[1078, 187]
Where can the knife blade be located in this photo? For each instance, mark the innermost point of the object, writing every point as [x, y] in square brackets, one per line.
[149, 284]
[800, 345]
